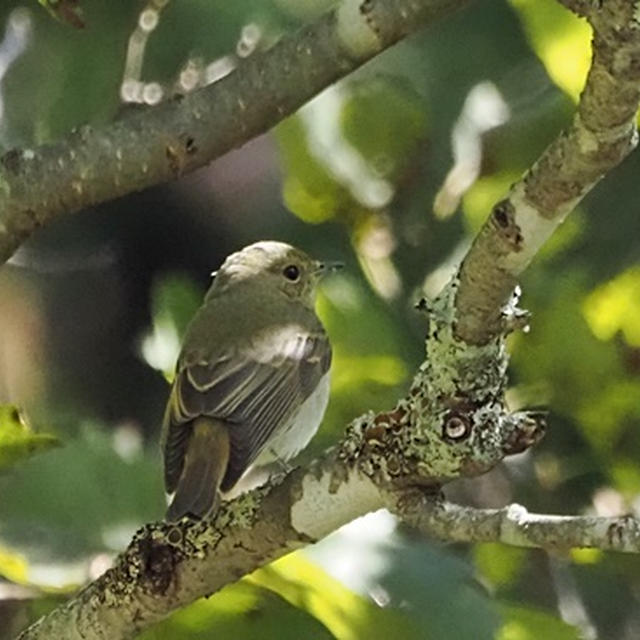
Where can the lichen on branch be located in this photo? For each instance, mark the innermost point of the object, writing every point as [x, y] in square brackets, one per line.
[148, 146]
[602, 134]
[452, 423]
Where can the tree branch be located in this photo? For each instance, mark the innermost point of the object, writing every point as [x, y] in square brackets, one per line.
[581, 8]
[152, 145]
[603, 133]
[452, 423]
[515, 526]
[169, 565]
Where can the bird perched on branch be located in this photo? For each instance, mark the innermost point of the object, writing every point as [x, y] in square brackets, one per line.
[252, 380]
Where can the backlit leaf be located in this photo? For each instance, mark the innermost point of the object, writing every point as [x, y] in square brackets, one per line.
[560, 39]
[17, 440]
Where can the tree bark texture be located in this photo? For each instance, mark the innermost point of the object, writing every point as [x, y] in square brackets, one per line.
[453, 422]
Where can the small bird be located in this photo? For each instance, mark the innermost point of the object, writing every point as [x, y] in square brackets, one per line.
[252, 379]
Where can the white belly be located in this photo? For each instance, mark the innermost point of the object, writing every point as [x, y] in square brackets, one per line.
[295, 436]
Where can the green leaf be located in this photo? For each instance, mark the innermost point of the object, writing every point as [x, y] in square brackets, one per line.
[346, 614]
[242, 611]
[390, 107]
[17, 440]
[174, 300]
[440, 591]
[499, 563]
[309, 190]
[614, 308]
[13, 566]
[84, 498]
[524, 623]
[369, 366]
[560, 39]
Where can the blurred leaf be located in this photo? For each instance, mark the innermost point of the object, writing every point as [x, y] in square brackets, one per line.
[559, 332]
[524, 623]
[309, 190]
[333, 166]
[242, 611]
[174, 300]
[587, 383]
[205, 30]
[390, 107]
[383, 370]
[440, 591]
[347, 615]
[16, 615]
[615, 307]
[347, 302]
[17, 440]
[59, 508]
[435, 589]
[13, 566]
[370, 366]
[625, 473]
[586, 556]
[41, 89]
[606, 414]
[560, 39]
[68, 11]
[499, 563]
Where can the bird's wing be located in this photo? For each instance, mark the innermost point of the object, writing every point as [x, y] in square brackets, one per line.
[254, 390]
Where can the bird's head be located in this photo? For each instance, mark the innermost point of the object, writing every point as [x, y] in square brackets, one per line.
[277, 266]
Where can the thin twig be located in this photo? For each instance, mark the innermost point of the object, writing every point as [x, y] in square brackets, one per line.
[515, 526]
[148, 146]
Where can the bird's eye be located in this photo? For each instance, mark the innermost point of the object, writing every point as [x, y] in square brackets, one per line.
[291, 272]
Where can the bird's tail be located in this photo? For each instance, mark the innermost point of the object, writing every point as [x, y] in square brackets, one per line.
[205, 464]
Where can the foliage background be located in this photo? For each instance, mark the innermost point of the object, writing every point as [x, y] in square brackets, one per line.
[392, 171]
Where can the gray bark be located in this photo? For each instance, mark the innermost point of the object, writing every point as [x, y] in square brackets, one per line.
[453, 422]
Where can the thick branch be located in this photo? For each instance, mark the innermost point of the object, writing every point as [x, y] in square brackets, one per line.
[169, 565]
[603, 133]
[515, 526]
[453, 421]
[152, 145]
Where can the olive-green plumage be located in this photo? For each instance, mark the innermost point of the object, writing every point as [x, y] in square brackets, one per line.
[251, 383]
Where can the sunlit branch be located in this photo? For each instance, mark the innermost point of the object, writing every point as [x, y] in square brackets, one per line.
[452, 423]
[170, 565]
[515, 526]
[602, 134]
[152, 145]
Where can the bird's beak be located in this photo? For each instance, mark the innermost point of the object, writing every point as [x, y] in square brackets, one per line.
[323, 268]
